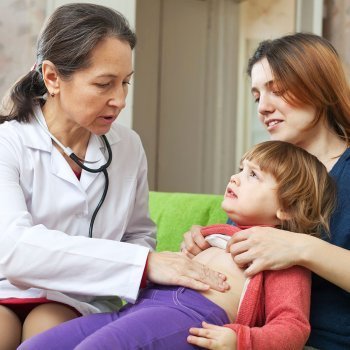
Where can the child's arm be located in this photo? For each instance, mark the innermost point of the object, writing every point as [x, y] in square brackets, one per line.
[213, 337]
[287, 305]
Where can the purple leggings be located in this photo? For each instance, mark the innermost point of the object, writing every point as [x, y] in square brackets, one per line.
[159, 320]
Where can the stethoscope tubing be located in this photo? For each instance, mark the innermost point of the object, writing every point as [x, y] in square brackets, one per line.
[102, 169]
[77, 160]
[99, 205]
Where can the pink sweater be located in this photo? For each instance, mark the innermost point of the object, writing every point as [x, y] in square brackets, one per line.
[274, 311]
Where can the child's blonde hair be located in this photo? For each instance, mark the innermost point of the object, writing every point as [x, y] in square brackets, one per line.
[306, 192]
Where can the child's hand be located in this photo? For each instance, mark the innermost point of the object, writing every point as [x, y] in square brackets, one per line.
[213, 337]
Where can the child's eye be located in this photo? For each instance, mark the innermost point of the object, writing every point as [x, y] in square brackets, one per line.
[256, 98]
[253, 174]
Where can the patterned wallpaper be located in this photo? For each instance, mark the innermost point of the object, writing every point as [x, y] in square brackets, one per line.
[20, 23]
[21, 20]
[337, 27]
[268, 18]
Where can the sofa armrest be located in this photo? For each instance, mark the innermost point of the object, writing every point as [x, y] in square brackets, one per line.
[175, 213]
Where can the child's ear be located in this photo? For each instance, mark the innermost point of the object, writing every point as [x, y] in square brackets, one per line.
[283, 215]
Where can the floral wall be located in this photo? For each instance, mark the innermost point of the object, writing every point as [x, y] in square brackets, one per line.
[20, 23]
[336, 27]
[21, 20]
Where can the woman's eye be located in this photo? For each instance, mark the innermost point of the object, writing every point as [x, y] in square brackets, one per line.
[277, 92]
[126, 83]
[103, 85]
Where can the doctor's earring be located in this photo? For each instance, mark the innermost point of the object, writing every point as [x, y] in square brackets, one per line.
[52, 94]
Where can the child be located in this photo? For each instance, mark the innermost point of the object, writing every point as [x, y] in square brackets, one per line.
[279, 185]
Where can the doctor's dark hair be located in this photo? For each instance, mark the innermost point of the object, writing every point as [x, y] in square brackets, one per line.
[67, 40]
[307, 70]
[305, 190]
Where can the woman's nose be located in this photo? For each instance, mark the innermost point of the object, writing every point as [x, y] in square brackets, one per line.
[118, 98]
[265, 105]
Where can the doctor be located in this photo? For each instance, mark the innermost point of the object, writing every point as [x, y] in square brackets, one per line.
[75, 232]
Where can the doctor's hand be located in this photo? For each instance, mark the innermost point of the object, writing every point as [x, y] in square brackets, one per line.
[193, 242]
[265, 248]
[177, 269]
[213, 337]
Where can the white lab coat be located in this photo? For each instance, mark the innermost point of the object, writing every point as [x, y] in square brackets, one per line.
[45, 213]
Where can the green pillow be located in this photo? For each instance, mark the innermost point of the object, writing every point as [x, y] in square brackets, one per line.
[175, 213]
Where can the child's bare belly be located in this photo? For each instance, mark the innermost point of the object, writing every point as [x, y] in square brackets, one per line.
[217, 259]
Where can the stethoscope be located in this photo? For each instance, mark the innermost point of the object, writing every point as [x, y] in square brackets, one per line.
[80, 162]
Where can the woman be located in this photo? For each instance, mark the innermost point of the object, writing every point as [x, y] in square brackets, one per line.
[65, 229]
[303, 97]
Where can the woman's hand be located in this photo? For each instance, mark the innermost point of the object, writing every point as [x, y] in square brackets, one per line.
[213, 337]
[193, 242]
[177, 269]
[265, 248]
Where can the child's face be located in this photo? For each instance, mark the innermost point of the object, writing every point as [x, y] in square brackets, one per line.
[251, 197]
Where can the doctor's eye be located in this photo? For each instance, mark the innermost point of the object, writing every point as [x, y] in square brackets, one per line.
[103, 86]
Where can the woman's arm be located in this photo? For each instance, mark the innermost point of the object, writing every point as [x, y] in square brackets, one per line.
[177, 269]
[35, 254]
[264, 248]
[327, 260]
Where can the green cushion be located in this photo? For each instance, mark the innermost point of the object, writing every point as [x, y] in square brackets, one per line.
[175, 213]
